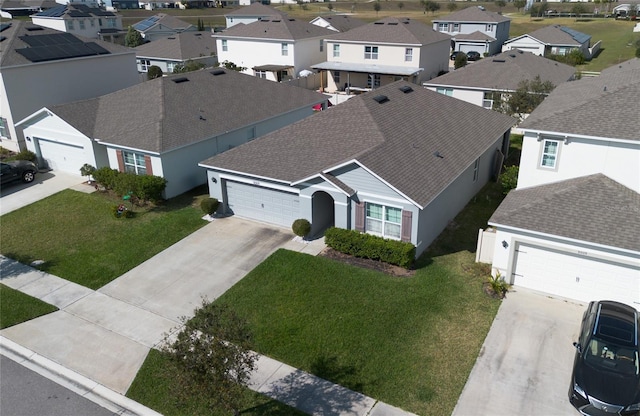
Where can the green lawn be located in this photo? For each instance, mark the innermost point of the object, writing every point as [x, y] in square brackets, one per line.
[80, 240]
[16, 307]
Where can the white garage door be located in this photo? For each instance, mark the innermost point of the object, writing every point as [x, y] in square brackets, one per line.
[576, 277]
[468, 48]
[61, 156]
[263, 204]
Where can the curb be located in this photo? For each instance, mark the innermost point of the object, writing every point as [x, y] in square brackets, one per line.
[73, 381]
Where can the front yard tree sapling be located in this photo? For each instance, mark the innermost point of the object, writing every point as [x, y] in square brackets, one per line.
[301, 227]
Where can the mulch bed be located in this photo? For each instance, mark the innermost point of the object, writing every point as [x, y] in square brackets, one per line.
[379, 266]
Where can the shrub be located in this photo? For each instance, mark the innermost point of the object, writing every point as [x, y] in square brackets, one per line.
[26, 155]
[143, 187]
[209, 205]
[301, 227]
[498, 285]
[87, 170]
[154, 72]
[370, 246]
[149, 188]
[106, 177]
[509, 178]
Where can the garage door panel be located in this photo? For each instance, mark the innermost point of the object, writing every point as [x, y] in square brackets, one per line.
[576, 277]
[62, 156]
[263, 204]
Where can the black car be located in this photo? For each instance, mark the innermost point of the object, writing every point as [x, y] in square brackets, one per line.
[18, 170]
[455, 54]
[473, 56]
[606, 368]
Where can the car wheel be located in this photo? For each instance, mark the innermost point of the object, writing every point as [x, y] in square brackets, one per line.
[28, 176]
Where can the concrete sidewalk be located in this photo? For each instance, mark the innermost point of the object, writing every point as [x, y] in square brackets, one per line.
[104, 336]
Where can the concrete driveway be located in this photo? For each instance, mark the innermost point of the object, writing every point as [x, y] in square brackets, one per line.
[524, 366]
[18, 195]
[105, 335]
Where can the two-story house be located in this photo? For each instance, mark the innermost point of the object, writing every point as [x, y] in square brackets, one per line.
[276, 48]
[551, 40]
[82, 20]
[162, 25]
[489, 81]
[571, 227]
[174, 50]
[42, 67]
[250, 14]
[475, 29]
[382, 52]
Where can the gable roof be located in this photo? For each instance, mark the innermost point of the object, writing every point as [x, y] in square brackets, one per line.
[31, 5]
[477, 36]
[181, 46]
[505, 71]
[18, 34]
[70, 11]
[557, 35]
[397, 140]
[280, 28]
[590, 208]
[255, 9]
[473, 14]
[161, 19]
[164, 113]
[603, 106]
[341, 22]
[392, 30]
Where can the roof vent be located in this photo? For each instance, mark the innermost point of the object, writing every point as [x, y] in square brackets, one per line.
[520, 51]
[170, 37]
[276, 20]
[378, 23]
[198, 34]
[217, 72]
[292, 20]
[393, 23]
[438, 155]
[180, 80]
[498, 60]
[406, 89]
[513, 55]
[381, 99]
[34, 28]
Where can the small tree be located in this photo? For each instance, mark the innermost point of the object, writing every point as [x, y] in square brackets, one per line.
[133, 38]
[578, 9]
[200, 25]
[452, 7]
[519, 4]
[209, 205]
[211, 357]
[500, 4]
[188, 66]
[154, 72]
[230, 65]
[509, 178]
[460, 61]
[527, 97]
[377, 6]
[330, 7]
[301, 227]
[400, 5]
[87, 170]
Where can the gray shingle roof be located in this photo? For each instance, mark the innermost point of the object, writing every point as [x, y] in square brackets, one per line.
[393, 30]
[283, 28]
[602, 106]
[591, 208]
[343, 22]
[396, 139]
[477, 35]
[256, 9]
[165, 20]
[27, 4]
[473, 14]
[161, 115]
[9, 56]
[503, 72]
[559, 35]
[181, 46]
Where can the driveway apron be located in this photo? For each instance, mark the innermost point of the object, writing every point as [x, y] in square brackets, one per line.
[524, 366]
[106, 335]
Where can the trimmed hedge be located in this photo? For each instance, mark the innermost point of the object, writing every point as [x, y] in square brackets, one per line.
[301, 227]
[370, 246]
[143, 187]
[209, 205]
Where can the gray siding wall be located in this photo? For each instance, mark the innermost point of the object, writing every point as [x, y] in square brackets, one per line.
[363, 182]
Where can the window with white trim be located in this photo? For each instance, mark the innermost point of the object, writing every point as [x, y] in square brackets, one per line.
[408, 54]
[373, 81]
[476, 166]
[321, 45]
[550, 149]
[445, 91]
[112, 23]
[336, 77]
[443, 27]
[370, 52]
[69, 24]
[260, 74]
[144, 65]
[134, 163]
[456, 27]
[487, 99]
[285, 49]
[4, 128]
[383, 221]
[336, 50]
[171, 66]
[225, 46]
[489, 28]
[82, 26]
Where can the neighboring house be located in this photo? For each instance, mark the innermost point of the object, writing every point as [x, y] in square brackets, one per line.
[162, 25]
[571, 227]
[338, 22]
[475, 29]
[390, 162]
[249, 14]
[14, 8]
[383, 52]
[551, 40]
[78, 19]
[41, 67]
[486, 80]
[276, 48]
[167, 125]
[174, 50]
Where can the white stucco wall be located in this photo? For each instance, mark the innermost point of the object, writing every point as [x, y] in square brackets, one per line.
[526, 44]
[31, 87]
[619, 161]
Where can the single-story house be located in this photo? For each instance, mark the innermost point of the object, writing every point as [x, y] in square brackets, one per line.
[398, 162]
[167, 125]
[551, 40]
[167, 53]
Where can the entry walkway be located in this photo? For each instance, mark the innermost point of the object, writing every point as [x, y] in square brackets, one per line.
[99, 339]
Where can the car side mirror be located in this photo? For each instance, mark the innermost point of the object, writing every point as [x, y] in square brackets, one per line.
[578, 347]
